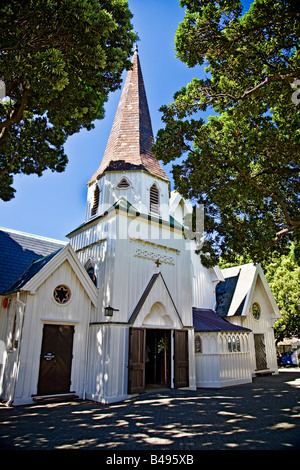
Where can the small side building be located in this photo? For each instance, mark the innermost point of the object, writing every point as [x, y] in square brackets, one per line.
[222, 353]
[44, 322]
[245, 299]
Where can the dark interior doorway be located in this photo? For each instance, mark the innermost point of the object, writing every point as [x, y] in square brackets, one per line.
[158, 358]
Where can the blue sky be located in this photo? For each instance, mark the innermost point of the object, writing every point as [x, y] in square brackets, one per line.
[55, 203]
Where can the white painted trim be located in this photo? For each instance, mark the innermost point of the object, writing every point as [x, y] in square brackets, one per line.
[249, 299]
[66, 254]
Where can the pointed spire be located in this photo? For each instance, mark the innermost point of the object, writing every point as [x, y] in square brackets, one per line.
[131, 138]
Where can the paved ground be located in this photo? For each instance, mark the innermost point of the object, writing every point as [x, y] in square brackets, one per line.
[262, 415]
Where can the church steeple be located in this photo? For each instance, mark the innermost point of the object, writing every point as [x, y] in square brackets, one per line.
[131, 137]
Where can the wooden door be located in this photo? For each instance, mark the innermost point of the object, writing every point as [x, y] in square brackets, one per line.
[136, 363]
[260, 352]
[56, 360]
[181, 359]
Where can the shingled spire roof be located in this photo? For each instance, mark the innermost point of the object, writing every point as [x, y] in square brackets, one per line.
[131, 137]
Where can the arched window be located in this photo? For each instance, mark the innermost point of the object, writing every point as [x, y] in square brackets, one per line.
[13, 333]
[96, 201]
[123, 184]
[198, 344]
[90, 269]
[256, 311]
[154, 199]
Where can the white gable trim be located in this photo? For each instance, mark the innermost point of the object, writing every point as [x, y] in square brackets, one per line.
[176, 199]
[156, 297]
[245, 285]
[66, 254]
[248, 275]
[259, 273]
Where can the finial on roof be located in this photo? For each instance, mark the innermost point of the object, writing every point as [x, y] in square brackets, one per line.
[136, 48]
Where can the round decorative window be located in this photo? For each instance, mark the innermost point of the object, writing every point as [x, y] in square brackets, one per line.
[256, 312]
[62, 294]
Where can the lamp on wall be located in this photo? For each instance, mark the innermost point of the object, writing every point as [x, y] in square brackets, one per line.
[109, 311]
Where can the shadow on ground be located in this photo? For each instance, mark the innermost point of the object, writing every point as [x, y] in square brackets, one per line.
[262, 415]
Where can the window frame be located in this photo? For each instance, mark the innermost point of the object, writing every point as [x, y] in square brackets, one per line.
[154, 199]
[256, 316]
[198, 347]
[125, 180]
[95, 206]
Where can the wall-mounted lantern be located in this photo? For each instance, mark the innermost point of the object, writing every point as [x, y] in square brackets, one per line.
[109, 311]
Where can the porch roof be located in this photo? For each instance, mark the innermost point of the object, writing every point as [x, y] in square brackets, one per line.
[208, 320]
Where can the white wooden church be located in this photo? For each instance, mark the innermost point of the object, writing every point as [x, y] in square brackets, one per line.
[126, 305]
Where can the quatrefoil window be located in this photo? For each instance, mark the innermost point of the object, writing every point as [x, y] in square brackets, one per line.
[62, 294]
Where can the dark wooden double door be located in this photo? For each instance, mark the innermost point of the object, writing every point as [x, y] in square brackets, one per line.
[150, 359]
[56, 360]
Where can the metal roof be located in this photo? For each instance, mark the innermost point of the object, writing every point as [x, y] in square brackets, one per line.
[208, 320]
[31, 271]
[17, 252]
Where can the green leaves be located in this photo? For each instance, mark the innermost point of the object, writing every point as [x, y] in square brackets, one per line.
[59, 61]
[243, 163]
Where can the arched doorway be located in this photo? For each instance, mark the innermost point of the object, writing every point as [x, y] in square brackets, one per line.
[158, 358]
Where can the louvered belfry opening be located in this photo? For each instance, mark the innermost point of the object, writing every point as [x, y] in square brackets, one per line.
[154, 199]
[96, 201]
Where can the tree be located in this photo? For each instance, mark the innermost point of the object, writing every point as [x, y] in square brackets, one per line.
[283, 275]
[243, 162]
[59, 59]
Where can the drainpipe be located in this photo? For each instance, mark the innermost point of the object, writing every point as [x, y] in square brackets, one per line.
[23, 304]
[87, 340]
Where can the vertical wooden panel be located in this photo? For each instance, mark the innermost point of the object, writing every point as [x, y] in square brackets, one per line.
[181, 359]
[136, 363]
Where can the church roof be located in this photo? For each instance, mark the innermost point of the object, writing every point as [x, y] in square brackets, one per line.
[224, 295]
[125, 206]
[208, 320]
[231, 295]
[17, 252]
[131, 138]
[31, 271]
[235, 294]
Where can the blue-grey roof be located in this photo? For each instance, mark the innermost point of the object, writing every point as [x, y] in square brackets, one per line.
[224, 295]
[18, 251]
[31, 271]
[208, 320]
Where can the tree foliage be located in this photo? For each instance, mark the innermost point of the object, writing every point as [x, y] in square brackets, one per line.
[283, 275]
[59, 59]
[243, 162]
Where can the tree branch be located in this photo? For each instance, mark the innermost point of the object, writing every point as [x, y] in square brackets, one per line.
[292, 224]
[17, 113]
